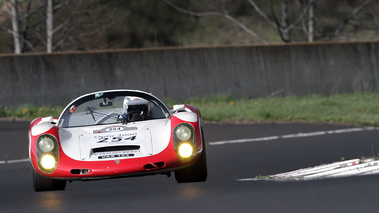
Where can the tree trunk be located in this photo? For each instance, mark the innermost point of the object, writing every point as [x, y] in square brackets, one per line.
[311, 21]
[15, 29]
[285, 28]
[49, 26]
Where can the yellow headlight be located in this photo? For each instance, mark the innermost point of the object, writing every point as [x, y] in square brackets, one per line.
[48, 162]
[185, 150]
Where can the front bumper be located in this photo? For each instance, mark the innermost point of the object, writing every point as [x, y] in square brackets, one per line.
[161, 163]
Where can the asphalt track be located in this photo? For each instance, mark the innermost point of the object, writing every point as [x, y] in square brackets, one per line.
[226, 164]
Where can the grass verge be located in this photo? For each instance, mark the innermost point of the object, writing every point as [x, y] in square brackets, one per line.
[358, 108]
[29, 112]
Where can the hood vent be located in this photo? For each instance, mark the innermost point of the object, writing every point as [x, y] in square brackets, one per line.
[115, 148]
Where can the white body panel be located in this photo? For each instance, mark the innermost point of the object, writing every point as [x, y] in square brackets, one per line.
[186, 116]
[152, 136]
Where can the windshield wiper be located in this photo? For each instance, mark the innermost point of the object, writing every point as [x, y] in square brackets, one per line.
[91, 112]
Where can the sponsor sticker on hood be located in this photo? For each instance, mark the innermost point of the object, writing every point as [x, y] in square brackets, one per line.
[114, 129]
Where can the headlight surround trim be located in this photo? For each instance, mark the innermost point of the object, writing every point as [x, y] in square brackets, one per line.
[43, 151]
[187, 139]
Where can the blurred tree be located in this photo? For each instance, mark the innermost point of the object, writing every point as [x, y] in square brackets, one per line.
[144, 23]
[352, 18]
[220, 8]
[288, 17]
[20, 14]
[51, 8]
[13, 12]
[33, 23]
[64, 25]
[57, 25]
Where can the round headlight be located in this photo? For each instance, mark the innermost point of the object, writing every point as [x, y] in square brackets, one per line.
[48, 162]
[46, 144]
[185, 150]
[183, 133]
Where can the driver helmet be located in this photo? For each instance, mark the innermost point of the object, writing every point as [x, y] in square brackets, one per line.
[136, 103]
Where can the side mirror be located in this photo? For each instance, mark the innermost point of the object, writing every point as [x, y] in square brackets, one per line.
[106, 104]
[179, 107]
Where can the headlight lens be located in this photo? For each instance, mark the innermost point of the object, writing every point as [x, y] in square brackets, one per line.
[185, 150]
[183, 133]
[46, 144]
[48, 162]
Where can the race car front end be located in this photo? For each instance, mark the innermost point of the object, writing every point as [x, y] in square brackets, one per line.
[158, 147]
[116, 134]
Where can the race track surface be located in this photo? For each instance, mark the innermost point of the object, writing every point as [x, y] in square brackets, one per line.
[227, 162]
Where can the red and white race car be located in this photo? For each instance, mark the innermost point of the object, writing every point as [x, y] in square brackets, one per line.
[117, 133]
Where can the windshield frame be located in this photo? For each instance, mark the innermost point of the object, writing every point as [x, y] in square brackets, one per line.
[110, 94]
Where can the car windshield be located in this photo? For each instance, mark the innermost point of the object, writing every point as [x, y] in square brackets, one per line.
[111, 108]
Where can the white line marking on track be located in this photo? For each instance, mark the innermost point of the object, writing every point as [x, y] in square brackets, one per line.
[354, 167]
[269, 138]
[298, 135]
[14, 161]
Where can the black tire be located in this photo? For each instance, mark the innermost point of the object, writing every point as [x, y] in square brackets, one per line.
[42, 183]
[197, 172]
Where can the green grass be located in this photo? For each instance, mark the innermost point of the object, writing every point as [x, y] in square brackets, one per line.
[358, 108]
[30, 112]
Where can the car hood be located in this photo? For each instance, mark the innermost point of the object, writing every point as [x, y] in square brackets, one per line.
[117, 141]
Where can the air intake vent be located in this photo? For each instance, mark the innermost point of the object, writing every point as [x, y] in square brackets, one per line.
[156, 165]
[79, 171]
[115, 148]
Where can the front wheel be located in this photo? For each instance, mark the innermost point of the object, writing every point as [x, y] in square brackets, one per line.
[197, 172]
[42, 183]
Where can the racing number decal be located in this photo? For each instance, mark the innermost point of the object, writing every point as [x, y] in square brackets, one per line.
[116, 139]
[121, 138]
